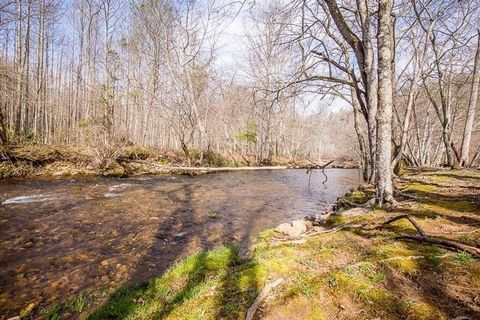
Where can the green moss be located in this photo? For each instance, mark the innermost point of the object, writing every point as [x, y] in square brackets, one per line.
[358, 196]
[463, 258]
[440, 179]
[421, 187]
[405, 266]
[425, 311]
[359, 286]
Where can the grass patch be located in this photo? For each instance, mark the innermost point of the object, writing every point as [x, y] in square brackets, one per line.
[203, 286]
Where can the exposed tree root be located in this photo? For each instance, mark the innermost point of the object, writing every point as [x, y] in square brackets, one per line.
[263, 294]
[402, 194]
[440, 242]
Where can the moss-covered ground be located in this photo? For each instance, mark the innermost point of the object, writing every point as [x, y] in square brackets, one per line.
[362, 272]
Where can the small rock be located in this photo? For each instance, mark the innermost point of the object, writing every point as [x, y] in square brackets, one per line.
[104, 278]
[300, 225]
[293, 229]
[29, 244]
[104, 263]
[308, 224]
[283, 228]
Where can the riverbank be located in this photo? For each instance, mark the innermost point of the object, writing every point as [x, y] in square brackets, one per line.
[361, 269]
[35, 160]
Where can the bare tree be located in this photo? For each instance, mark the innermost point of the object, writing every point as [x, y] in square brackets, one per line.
[467, 133]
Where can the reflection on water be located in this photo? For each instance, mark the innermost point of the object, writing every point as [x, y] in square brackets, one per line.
[60, 237]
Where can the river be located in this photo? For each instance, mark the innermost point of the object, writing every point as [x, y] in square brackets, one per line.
[63, 236]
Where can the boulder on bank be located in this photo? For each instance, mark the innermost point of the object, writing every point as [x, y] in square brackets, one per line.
[295, 228]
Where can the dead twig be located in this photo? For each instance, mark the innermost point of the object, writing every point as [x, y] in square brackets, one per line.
[263, 294]
[281, 242]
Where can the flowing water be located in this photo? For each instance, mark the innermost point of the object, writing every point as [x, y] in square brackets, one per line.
[65, 236]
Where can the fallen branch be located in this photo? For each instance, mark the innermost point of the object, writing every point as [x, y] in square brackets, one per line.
[281, 242]
[342, 227]
[444, 243]
[406, 216]
[314, 233]
[424, 238]
[263, 294]
[414, 257]
[317, 166]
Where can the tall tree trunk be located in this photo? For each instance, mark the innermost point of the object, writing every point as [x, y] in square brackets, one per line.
[372, 83]
[467, 133]
[24, 126]
[18, 67]
[383, 172]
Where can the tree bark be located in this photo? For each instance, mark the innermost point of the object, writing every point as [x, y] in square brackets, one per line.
[383, 173]
[467, 133]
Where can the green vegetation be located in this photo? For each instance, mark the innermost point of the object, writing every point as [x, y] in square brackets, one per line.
[249, 133]
[57, 310]
[206, 285]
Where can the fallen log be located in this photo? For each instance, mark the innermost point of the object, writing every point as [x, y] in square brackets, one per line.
[211, 169]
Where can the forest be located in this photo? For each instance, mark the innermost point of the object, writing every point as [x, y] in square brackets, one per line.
[101, 74]
[131, 100]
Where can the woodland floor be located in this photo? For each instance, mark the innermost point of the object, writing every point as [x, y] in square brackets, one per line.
[361, 272]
